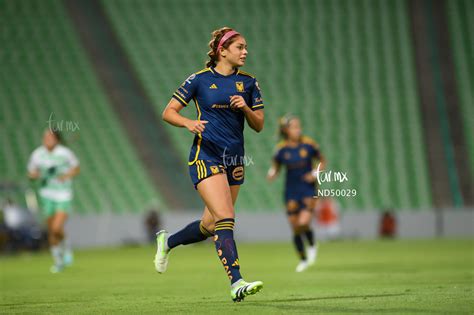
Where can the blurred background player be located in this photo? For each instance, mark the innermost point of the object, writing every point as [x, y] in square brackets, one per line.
[224, 97]
[327, 219]
[298, 152]
[54, 165]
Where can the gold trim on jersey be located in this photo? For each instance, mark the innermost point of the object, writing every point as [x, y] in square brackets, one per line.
[176, 94]
[308, 140]
[201, 169]
[259, 105]
[204, 167]
[198, 169]
[203, 70]
[199, 135]
[245, 73]
[281, 144]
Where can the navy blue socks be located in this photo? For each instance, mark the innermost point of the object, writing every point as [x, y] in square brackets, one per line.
[298, 240]
[192, 233]
[310, 236]
[226, 248]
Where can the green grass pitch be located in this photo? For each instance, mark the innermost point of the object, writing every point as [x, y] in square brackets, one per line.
[394, 277]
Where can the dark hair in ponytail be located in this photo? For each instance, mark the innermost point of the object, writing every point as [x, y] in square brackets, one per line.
[216, 37]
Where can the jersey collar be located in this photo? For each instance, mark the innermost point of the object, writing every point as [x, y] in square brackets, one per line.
[221, 75]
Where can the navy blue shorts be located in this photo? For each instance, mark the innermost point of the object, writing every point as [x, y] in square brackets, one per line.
[202, 169]
[298, 192]
[294, 198]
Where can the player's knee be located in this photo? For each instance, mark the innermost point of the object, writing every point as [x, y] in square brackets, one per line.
[304, 228]
[296, 228]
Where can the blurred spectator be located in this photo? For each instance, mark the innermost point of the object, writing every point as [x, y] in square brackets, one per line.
[19, 228]
[388, 224]
[13, 215]
[327, 219]
[3, 231]
[152, 225]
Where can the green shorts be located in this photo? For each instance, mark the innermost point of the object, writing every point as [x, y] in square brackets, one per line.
[51, 207]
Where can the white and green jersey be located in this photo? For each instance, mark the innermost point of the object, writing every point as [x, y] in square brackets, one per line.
[51, 165]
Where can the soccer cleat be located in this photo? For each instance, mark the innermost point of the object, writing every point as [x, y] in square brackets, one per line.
[302, 266]
[161, 257]
[312, 255]
[68, 258]
[241, 289]
[56, 268]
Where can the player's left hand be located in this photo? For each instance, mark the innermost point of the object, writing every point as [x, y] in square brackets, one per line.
[309, 178]
[237, 102]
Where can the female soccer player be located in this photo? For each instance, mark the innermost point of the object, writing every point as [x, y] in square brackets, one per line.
[297, 153]
[55, 165]
[225, 97]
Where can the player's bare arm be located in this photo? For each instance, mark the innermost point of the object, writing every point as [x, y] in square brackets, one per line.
[172, 116]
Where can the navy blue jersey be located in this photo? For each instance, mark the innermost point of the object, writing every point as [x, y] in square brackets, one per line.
[298, 161]
[211, 92]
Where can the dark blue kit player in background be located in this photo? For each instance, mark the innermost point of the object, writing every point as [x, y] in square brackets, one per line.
[298, 153]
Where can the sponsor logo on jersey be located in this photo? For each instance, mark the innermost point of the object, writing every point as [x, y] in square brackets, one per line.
[180, 94]
[213, 86]
[238, 173]
[220, 106]
[188, 80]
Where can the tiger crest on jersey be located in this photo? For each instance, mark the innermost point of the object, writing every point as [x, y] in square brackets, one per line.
[239, 86]
[303, 153]
[214, 169]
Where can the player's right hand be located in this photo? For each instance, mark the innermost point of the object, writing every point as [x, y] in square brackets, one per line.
[271, 174]
[196, 126]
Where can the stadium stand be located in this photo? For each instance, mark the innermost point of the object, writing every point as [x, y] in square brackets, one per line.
[349, 76]
[45, 74]
[462, 37]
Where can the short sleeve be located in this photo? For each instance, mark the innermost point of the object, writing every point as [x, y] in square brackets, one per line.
[316, 153]
[314, 150]
[72, 159]
[277, 156]
[187, 90]
[33, 162]
[257, 101]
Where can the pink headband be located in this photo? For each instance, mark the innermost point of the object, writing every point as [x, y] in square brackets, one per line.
[226, 37]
